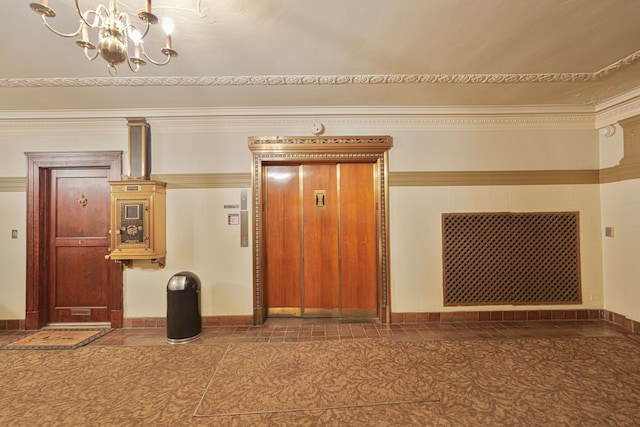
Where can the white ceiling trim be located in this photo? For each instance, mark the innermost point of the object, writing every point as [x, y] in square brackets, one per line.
[487, 112]
[348, 79]
[618, 108]
[343, 122]
[62, 127]
[366, 125]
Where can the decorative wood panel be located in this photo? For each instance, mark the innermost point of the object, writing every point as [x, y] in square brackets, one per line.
[511, 258]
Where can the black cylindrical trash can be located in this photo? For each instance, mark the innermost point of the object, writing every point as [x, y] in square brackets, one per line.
[184, 323]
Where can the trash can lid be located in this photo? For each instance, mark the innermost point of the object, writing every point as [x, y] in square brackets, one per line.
[177, 283]
[183, 280]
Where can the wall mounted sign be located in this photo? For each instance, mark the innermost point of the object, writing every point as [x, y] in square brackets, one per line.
[233, 219]
[321, 199]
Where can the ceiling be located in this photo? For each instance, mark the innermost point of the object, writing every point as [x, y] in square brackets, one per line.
[573, 54]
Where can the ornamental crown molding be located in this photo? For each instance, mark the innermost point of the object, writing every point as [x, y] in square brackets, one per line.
[336, 79]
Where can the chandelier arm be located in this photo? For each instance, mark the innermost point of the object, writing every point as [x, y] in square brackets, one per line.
[132, 67]
[53, 30]
[147, 25]
[90, 57]
[124, 19]
[148, 58]
[84, 18]
[96, 19]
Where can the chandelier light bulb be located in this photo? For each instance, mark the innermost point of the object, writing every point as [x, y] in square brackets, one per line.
[167, 25]
[135, 36]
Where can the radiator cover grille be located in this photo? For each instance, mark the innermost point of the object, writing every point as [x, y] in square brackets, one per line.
[511, 258]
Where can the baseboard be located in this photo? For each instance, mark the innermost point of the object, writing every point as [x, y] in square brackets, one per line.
[12, 324]
[161, 322]
[516, 316]
[495, 316]
[629, 325]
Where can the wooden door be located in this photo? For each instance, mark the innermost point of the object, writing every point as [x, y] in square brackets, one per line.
[358, 244]
[79, 274]
[320, 239]
[283, 248]
[320, 236]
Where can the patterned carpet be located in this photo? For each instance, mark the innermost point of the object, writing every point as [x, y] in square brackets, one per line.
[255, 379]
[523, 382]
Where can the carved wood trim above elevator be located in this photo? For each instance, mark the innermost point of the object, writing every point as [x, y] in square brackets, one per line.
[300, 150]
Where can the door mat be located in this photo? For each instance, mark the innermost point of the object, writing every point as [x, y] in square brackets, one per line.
[57, 339]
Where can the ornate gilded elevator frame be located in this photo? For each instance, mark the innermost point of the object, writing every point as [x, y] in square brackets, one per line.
[322, 149]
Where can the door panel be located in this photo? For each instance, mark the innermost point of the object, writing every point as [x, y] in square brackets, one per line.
[282, 226]
[79, 275]
[357, 240]
[320, 237]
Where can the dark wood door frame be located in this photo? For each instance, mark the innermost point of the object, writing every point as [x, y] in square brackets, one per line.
[321, 149]
[39, 165]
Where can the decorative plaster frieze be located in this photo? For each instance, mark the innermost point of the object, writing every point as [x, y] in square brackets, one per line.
[324, 80]
[296, 80]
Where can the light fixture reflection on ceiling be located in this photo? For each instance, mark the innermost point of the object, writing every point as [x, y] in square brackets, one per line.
[115, 33]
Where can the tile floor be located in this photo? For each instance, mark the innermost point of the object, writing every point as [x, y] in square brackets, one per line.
[296, 330]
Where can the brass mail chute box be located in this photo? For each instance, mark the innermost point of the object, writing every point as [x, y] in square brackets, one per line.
[138, 221]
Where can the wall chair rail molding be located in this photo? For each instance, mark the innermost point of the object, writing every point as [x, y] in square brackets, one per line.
[205, 180]
[13, 185]
[475, 178]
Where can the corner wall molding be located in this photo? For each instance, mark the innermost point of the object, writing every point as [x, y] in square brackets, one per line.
[617, 109]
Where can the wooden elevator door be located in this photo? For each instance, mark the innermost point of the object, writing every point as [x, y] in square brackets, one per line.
[320, 240]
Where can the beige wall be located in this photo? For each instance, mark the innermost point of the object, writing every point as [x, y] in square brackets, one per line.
[620, 207]
[13, 255]
[621, 261]
[416, 236]
[199, 239]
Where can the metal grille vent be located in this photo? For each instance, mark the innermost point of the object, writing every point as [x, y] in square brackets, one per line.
[511, 258]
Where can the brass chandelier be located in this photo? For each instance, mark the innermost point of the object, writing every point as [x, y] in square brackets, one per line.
[115, 33]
